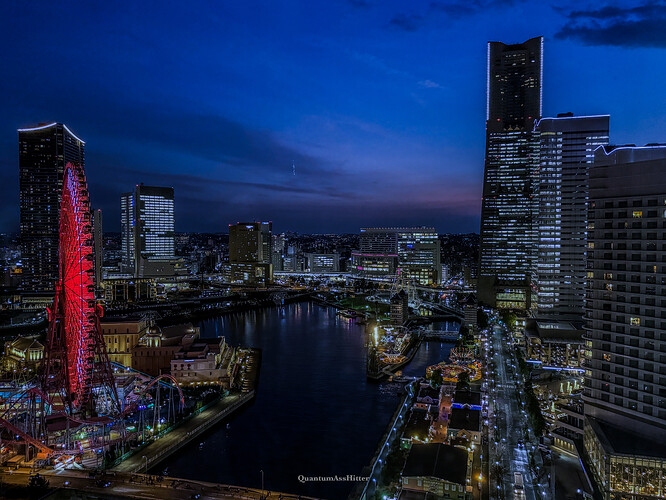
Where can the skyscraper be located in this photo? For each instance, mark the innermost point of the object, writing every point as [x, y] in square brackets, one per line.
[249, 252]
[625, 376]
[567, 152]
[508, 233]
[44, 151]
[147, 224]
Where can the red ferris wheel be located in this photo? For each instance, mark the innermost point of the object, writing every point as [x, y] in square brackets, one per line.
[76, 362]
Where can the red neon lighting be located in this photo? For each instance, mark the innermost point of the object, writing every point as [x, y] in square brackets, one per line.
[76, 283]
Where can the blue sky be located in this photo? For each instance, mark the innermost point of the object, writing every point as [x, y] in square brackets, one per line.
[379, 104]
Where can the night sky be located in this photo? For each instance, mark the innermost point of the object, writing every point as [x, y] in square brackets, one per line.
[380, 104]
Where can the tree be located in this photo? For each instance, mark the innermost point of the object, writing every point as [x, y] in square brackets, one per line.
[509, 319]
[481, 319]
[463, 381]
[38, 482]
[436, 378]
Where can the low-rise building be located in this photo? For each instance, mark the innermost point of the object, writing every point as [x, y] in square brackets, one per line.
[624, 465]
[201, 363]
[417, 429]
[427, 398]
[467, 399]
[121, 335]
[159, 346]
[465, 424]
[438, 469]
[555, 344]
[22, 353]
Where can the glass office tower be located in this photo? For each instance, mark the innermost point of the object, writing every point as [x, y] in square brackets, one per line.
[508, 230]
[147, 225]
[567, 152]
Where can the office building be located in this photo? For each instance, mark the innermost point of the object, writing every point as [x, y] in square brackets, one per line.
[508, 232]
[378, 253]
[147, 227]
[278, 253]
[567, 152]
[44, 151]
[249, 254]
[414, 252]
[625, 377]
[323, 262]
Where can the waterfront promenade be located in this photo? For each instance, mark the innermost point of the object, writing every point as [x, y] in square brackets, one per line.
[161, 448]
[78, 484]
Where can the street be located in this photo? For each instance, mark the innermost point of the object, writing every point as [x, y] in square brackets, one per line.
[511, 442]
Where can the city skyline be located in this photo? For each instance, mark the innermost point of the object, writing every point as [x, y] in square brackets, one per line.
[369, 108]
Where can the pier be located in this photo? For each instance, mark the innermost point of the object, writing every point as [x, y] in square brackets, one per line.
[149, 456]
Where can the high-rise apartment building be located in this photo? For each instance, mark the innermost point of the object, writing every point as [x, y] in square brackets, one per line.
[147, 225]
[412, 251]
[625, 372]
[44, 151]
[508, 232]
[567, 152]
[250, 255]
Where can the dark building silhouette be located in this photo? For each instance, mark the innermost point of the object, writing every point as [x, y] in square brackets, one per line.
[625, 371]
[250, 249]
[508, 232]
[44, 151]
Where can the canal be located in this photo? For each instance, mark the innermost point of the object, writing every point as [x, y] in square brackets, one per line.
[314, 415]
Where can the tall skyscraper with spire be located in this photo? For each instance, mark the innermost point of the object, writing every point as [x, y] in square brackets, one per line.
[508, 229]
[44, 151]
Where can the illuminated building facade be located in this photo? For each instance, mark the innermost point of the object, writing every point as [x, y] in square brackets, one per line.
[387, 251]
[250, 256]
[147, 225]
[43, 153]
[625, 377]
[323, 262]
[567, 152]
[508, 229]
[121, 335]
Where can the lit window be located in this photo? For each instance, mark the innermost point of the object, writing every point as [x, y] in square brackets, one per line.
[638, 214]
[635, 321]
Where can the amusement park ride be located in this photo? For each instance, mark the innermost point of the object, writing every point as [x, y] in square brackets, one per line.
[72, 407]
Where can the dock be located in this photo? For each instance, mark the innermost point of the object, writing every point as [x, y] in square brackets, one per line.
[149, 456]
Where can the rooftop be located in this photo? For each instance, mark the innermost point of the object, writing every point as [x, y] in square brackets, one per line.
[465, 419]
[622, 441]
[417, 426]
[472, 398]
[437, 460]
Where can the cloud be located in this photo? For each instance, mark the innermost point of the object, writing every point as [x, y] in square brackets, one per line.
[429, 84]
[636, 26]
[363, 4]
[407, 22]
[454, 9]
